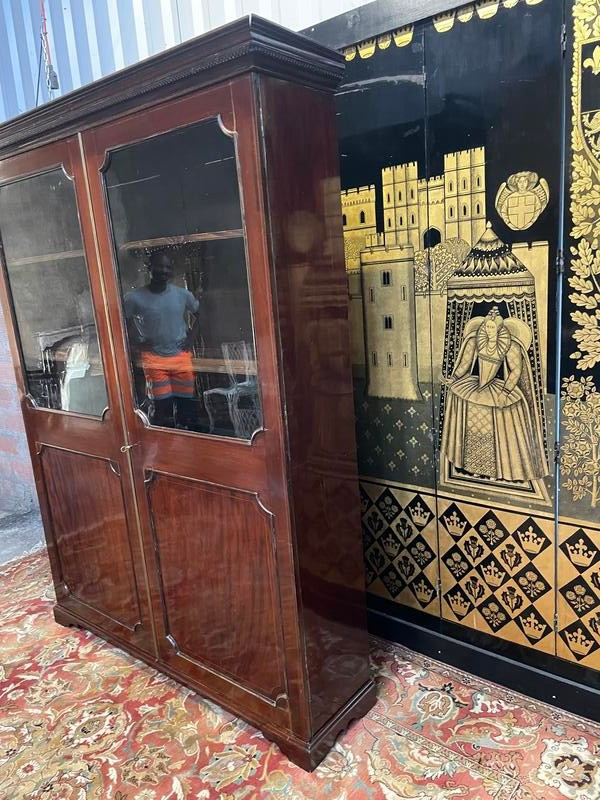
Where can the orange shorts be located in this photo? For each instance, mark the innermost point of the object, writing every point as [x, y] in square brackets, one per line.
[169, 376]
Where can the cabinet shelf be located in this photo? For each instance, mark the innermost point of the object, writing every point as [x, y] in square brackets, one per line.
[192, 238]
[21, 262]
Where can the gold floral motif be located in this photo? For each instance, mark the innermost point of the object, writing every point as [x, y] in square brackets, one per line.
[584, 279]
[594, 62]
[440, 262]
[63, 785]
[148, 765]
[233, 765]
[580, 456]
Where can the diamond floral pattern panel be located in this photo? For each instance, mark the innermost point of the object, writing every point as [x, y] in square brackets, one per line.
[579, 595]
[400, 542]
[497, 572]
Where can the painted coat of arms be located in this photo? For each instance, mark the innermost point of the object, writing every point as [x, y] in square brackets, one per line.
[521, 199]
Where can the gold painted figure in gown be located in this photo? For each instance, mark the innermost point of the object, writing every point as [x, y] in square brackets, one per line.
[491, 427]
[521, 199]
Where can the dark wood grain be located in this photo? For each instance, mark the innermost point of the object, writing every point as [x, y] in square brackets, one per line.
[218, 581]
[257, 467]
[315, 368]
[240, 566]
[90, 530]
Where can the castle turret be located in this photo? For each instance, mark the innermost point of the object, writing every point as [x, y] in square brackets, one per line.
[358, 217]
[464, 179]
[390, 321]
[400, 186]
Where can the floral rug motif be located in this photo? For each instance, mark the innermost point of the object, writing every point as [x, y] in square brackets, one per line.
[80, 719]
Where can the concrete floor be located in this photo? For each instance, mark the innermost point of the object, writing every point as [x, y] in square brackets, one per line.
[20, 534]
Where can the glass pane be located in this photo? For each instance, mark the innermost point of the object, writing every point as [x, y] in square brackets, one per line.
[175, 211]
[50, 288]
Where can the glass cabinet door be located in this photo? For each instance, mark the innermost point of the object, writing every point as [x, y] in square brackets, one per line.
[50, 292]
[178, 237]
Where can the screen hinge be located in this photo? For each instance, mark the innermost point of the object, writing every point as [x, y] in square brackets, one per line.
[563, 38]
[557, 452]
[555, 622]
[560, 261]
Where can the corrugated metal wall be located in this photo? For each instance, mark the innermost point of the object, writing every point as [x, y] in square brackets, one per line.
[91, 38]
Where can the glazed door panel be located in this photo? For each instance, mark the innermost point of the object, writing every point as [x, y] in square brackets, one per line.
[196, 364]
[60, 342]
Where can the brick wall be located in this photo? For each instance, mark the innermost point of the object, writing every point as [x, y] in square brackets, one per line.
[17, 488]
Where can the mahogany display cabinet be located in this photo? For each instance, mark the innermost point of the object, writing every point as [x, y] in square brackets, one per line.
[175, 293]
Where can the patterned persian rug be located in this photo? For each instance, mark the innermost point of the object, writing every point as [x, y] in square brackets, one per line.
[79, 719]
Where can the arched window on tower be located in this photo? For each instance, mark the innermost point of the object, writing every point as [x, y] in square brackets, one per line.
[478, 180]
[431, 237]
[464, 183]
[362, 217]
[344, 220]
[451, 211]
[412, 219]
[464, 211]
[388, 197]
[478, 209]
[451, 186]
[389, 222]
[400, 196]
[412, 194]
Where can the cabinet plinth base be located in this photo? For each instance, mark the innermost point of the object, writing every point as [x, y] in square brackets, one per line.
[306, 754]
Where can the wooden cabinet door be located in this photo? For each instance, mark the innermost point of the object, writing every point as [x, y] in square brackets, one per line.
[52, 294]
[177, 195]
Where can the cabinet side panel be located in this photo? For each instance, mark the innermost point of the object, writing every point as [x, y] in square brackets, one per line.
[307, 248]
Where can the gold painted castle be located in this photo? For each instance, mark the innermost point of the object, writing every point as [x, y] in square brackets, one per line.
[398, 277]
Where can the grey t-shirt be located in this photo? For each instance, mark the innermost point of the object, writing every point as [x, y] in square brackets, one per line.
[160, 317]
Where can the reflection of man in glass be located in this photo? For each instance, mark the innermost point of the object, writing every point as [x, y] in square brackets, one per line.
[156, 314]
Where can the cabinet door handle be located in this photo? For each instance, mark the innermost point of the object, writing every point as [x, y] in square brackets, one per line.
[126, 447]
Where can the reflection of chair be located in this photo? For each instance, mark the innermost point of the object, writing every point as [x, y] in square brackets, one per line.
[64, 357]
[241, 396]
